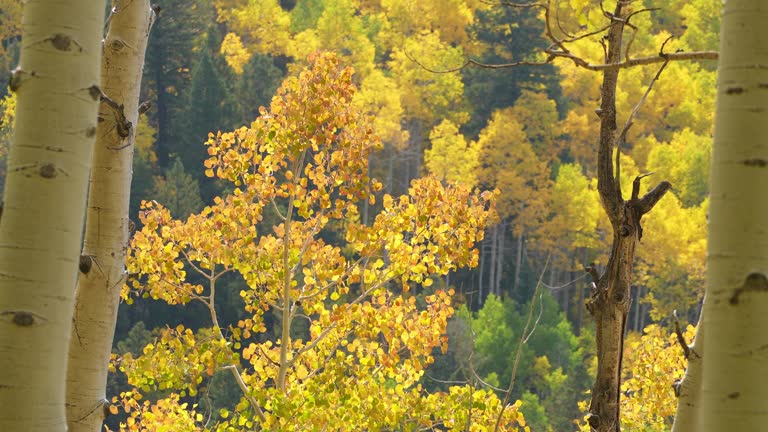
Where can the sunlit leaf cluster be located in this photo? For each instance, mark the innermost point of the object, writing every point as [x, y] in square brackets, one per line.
[371, 321]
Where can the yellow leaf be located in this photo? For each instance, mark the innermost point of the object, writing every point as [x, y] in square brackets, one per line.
[301, 372]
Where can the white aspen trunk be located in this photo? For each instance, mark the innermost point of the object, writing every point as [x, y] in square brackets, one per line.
[638, 309]
[735, 367]
[500, 258]
[57, 85]
[689, 389]
[480, 269]
[494, 261]
[102, 264]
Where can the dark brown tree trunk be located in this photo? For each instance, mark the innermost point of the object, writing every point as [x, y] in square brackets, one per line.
[609, 303]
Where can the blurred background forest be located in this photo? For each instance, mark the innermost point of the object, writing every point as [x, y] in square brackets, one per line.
[528, 131]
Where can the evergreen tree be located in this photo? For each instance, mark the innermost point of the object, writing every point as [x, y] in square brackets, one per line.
[488, 90]
[256, 86]
[209, 109]
[178, 191]
[169, 60]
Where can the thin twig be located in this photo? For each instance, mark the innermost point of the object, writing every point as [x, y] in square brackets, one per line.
[524, 335]
[514, 5]
[622, 137]
[559, 287]
[246, 392]
[538, 318]
[559, 23]
[445, 381]
[191, 264]
[481, 381]
[628, 124]
[328, 329]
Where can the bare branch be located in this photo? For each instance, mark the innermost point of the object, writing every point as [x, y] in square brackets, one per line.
[194, 267]
[308, 241]
[641, 61]
[628, 124]
[328, 329]
[634, 29]
[636, 184]
[445, 381]
[538, 318]
[622, 137]
[524, 336]
[559, 24]
[246, 392]
[473, 62]
[586, 35]
[592, 271]
[649, 200]
[680, 338]
[515, 5]
[277, 210]
[567, 284]
[122, 125]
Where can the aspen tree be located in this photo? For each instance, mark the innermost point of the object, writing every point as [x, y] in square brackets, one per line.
[734, 386]
[102, 263]
[57, 85]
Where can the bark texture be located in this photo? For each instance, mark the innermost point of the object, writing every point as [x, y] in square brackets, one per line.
[688, 390]
[102, 263]
[57, 85]
[610, 299]
[735, 367]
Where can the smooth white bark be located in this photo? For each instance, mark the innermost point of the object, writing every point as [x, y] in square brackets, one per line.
[107, 224]
[57, 84]
[689, 390]
[735, 367]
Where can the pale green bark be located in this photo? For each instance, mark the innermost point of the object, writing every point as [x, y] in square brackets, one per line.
[735, 368]
[57, 84]
[107, 225]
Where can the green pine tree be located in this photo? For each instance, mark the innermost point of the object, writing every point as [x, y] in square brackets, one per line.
[178, 191]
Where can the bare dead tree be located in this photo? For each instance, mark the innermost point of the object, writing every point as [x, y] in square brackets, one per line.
[610, 300]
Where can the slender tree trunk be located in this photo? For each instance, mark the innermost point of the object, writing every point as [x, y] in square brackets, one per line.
[582, 287]
[106, 232]
[57, 83]
[480, 269]
[500, 257]
[494, 261]
[689, 389]
[735, 373]
[518, 263]
[552, 281]
[610, 302]
[638, 308]
[161, 105]
[580, 313]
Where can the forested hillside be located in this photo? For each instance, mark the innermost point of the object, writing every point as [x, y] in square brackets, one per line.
[345, 219]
